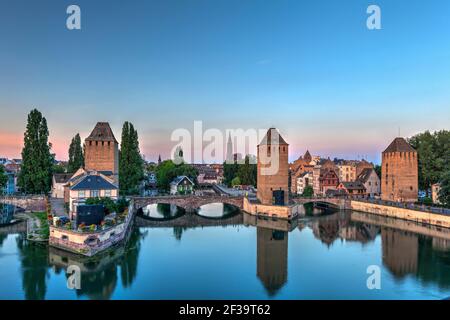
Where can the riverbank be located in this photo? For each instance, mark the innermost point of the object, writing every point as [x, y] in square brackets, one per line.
[423, 217]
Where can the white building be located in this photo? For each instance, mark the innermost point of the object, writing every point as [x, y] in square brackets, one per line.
[304, 180]
[371, 182]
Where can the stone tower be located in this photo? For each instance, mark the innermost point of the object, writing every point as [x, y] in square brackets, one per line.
[399, 172]
[273, 169]
[102, 150]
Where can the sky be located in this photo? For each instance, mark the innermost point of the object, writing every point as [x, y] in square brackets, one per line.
[310, 68]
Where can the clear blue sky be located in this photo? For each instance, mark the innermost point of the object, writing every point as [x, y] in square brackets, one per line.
[310, 68]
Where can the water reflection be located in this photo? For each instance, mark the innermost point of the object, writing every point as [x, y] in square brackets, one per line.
[328, 229]
[6, 213]
[161, 211]
[217, 210]
[34, 268]
[272, 258]
[99, 275]
[407, 250]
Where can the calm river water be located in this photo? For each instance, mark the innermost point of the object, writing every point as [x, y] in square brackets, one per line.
[222, 254]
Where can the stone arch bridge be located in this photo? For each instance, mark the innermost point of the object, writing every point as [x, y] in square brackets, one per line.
[338, 203]
[189, 203]
[190, 220]
[28, 203]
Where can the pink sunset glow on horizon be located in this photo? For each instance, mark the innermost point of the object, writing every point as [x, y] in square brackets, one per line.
[158, 143]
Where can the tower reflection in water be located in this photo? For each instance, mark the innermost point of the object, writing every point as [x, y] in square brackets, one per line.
[408, 249]
[272, 255]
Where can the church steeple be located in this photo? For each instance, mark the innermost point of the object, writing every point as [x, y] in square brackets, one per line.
[307, 157]
[159, 160]
[229, 158]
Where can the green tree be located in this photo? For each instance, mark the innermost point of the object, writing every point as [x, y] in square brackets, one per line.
[111, 205]
[37, 161]
[131, 164]
[229, 172]
[3, 178]
[236, 182]
[444, 192]
[433, 151]
[168, 170]
[76, 157]
[247, 172]
[377, 169]
[57, 168]
[308, 192]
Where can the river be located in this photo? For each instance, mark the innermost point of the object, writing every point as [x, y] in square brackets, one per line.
[220, 253]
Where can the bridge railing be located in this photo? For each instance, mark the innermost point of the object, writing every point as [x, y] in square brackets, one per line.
[405, 205]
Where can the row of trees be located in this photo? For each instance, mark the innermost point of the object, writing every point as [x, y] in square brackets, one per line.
[38, 162]
[240, 174]
[433, 151]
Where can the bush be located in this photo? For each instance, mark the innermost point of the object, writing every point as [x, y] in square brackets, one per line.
[236, 182]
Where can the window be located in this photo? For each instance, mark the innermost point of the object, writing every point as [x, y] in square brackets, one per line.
[107, 193]
[81, 194]
[94, 193]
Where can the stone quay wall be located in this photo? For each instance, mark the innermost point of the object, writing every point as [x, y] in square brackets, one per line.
[441, 220]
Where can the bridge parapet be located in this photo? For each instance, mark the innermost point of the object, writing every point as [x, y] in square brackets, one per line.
[187, 202]
[32, 203]
[340, 202]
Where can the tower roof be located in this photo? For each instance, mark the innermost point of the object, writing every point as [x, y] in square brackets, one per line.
[102, 132]
[399, 145]
[307, 156]
[272, 133]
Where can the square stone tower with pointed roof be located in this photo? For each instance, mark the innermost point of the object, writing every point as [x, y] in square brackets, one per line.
[102, 151]
[399, 172]
[273, 169]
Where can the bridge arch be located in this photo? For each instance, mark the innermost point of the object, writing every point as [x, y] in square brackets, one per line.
[218, 210]
[189, 203]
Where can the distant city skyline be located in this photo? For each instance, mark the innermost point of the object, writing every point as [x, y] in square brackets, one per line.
[313, 70]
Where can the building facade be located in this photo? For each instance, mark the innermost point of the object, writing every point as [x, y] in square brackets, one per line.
[90, 185]
[347, 171]
[181, 185]
[435, 189]
[371, 182]
[273, 169]
[399, 172]
[305, 180]
[102, 151]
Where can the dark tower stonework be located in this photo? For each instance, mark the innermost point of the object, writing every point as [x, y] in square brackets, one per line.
[102, 150]
[273, 169]
[399, 172]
